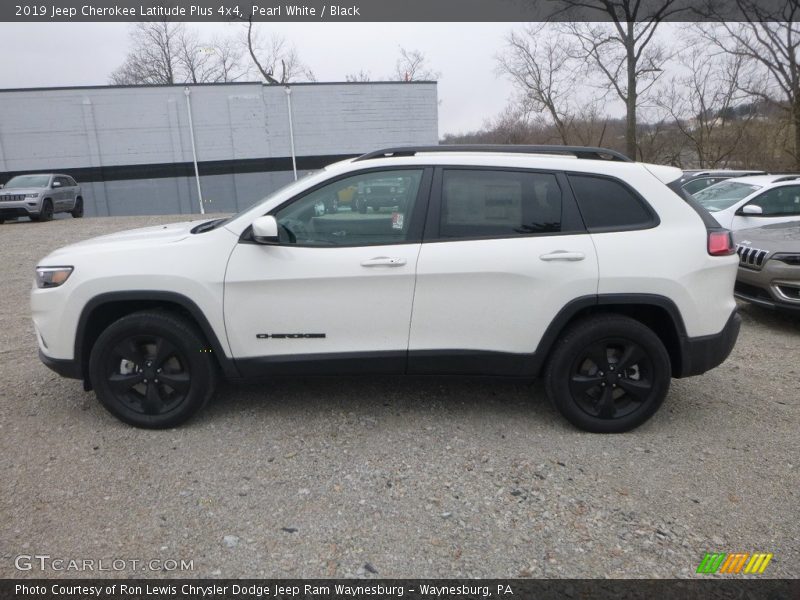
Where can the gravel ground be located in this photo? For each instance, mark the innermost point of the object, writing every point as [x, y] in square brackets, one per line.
[391, 477]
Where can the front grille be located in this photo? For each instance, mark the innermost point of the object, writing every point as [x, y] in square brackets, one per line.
[752, 258]
[12, 197]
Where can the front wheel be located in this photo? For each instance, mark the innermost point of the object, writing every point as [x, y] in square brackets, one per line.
[608, 374]
[46, 213]
[152, 369]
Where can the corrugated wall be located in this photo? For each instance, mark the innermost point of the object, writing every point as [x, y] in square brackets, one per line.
[130, 147]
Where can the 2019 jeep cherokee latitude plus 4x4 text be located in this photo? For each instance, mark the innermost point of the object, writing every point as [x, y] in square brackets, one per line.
[572, 263]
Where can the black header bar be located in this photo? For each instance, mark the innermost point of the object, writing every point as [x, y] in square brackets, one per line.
[387, 10]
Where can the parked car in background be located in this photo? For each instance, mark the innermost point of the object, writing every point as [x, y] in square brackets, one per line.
[695, 180]
[769, 265]
[391, 192]
[746, 202]
[40, 196]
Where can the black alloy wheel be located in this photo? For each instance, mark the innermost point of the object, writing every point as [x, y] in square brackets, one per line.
[608, 374]
[152, 369]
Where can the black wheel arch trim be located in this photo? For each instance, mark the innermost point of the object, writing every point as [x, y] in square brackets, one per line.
[227, 364]
[600, 301]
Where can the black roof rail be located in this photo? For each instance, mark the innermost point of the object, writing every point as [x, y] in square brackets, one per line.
[786, 178]
[586, 152]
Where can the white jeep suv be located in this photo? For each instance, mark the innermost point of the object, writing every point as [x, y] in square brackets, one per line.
[518, 261]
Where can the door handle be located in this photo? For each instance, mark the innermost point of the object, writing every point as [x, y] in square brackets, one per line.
[562, 255]
[383, 261]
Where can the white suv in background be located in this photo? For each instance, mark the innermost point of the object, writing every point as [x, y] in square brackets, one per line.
[518, 261]
[754, 201]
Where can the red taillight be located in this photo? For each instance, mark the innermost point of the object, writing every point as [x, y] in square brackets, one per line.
[720, 243]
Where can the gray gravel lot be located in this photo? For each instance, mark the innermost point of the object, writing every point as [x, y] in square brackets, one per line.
[391, 477]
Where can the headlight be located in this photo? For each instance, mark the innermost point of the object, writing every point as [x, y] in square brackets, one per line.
[31, 195]
[50, 277]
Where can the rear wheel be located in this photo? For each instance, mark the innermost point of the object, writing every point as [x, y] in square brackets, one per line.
[77, 210]
[608, 374]
[152, 369]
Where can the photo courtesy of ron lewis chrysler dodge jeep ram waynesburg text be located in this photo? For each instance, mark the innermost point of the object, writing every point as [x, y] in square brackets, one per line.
[572, 263]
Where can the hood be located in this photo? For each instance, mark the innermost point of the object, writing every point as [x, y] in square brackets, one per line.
[135, 238]
[778, 237]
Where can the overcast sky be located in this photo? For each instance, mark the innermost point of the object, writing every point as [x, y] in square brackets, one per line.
[66, 54]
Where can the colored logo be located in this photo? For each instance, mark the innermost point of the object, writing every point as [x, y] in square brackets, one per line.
[738, 562]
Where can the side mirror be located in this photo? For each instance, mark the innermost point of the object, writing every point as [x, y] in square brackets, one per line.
[752, 209]
[265, 230]
[56, 184]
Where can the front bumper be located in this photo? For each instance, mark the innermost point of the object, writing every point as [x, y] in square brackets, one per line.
[11, 210]
[701, 354]
[775, 286]
[64, 367]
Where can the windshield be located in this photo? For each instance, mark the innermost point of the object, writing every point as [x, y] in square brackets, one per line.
[287, 187]
[724, 194]
[29, 181]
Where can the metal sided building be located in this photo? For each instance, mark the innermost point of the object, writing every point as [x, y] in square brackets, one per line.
[133, 148]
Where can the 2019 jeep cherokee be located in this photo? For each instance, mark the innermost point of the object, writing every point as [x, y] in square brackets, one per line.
[572, 263]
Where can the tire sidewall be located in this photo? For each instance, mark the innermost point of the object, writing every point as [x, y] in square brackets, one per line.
[589, 332]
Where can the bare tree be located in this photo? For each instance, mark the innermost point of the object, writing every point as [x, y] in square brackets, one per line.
[545, 73]
[624, 52]
[165, 52]
[209, 62]
[276, 60]
[770, 42]
[704, 105]
[362, 76]
[154, 57]
[413, 66]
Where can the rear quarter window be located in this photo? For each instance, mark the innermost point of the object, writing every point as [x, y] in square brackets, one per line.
[609, 205]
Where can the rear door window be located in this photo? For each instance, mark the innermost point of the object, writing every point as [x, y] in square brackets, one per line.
[493, 203]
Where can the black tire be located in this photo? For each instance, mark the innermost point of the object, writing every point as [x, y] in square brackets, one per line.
[46, 214]
[152, 369]
[77, 210]
[362, 206]
[608, 374]
[2, 221]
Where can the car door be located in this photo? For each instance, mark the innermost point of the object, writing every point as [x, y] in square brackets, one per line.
[504, 251]
[778, 205]
[335, 294]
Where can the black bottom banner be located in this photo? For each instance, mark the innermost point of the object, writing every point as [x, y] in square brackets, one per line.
[405, 589]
